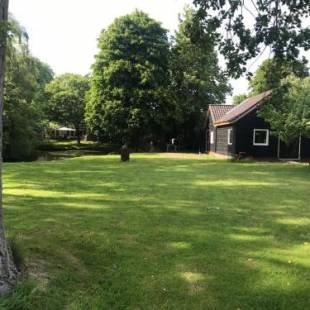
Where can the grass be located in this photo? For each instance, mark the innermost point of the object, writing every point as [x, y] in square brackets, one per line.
[160, 232]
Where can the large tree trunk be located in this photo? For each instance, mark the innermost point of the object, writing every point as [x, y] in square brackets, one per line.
[8, 272]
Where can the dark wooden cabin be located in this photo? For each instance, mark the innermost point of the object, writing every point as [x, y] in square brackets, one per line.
[238, 131]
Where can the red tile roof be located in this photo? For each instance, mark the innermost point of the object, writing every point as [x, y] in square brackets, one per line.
[242, 109]
[217, 111]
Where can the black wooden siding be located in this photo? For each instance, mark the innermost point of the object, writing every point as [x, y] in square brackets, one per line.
[210, 127]
[222, 146]
[213, 145]
[305, 148]
[244, 132]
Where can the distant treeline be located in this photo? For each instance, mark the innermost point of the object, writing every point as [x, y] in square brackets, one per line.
[145, 88]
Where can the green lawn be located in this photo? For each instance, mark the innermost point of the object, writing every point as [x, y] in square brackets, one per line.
[160, 232]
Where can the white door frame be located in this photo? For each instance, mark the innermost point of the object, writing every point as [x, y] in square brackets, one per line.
[299, 150]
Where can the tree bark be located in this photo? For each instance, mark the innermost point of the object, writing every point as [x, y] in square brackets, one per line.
[8, 271]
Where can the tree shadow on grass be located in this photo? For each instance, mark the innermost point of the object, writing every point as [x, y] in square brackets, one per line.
[163, 234]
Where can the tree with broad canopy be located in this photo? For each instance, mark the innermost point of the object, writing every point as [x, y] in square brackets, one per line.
[128, 102]
[245, 29]
[66, 100]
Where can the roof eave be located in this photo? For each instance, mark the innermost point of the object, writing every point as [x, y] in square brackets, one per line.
[240, 116]
[223, 124]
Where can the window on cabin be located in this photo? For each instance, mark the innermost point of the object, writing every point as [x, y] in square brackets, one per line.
[261, 137]
[212, 137]
[230, 136]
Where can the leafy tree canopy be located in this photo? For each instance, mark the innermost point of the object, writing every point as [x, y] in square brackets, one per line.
[271, 72]
[288, 110]
[24, 82]
[239, 98]
[67, 99]
[129, 80]
[245, 28]
[197, 79]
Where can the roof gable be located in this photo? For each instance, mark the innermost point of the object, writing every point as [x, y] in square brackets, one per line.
[242, 109]
[217, 111]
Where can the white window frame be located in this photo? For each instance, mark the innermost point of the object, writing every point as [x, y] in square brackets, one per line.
[267, 137]
[228, 136]
[212, 137]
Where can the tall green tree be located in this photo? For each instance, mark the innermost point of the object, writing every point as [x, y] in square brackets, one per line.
[127, 100]
[197, 79]
[66, 96]
[8, 272]
[285, 110]
[25, 79]
[239, 98]
[271, 72]
[244, 29]
[288, 110]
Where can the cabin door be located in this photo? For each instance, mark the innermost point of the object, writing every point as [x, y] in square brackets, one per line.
[289, 152]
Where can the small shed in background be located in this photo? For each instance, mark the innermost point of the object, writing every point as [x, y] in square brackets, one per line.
[64, 133]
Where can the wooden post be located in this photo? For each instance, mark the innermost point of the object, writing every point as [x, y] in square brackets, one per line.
[125, 154]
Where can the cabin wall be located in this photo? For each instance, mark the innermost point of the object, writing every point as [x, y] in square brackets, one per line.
[243, 131]
[244, 137]
[210, 127]
[222, 145]
[305, 148]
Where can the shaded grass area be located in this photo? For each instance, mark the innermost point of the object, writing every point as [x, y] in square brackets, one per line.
[71, 145]
[59, 150]
[164, 231]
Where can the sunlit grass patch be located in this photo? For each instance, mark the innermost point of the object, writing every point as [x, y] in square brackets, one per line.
[163, 231]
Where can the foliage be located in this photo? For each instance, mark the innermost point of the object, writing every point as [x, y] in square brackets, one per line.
[270, 73]
[288, 110]
[8, 271]
[66, 96]
[239, 98]
[127, 101]
[251, 26]
[24, 83]
[164, 231]
[197, 79]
